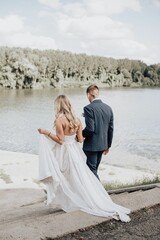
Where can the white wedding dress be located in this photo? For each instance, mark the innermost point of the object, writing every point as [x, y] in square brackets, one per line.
[69, 182]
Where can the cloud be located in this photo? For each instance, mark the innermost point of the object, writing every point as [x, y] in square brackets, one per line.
[44, 14]
[92, 7]
[156, 3]
[13, 33]
[89, 26]
[27, 39]
[11, 24]
[98, 35]
[107, 7]
[55, 4]
[117, 49]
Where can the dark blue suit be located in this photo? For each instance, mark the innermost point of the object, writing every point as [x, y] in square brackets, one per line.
[98, 132]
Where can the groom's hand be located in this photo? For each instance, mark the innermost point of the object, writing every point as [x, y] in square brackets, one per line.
[106, 151]
[76, 138]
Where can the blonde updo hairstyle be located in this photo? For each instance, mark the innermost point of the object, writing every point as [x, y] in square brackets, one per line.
[63, 106]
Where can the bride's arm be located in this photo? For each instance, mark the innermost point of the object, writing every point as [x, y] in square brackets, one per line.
[59, 137]
[79, 133]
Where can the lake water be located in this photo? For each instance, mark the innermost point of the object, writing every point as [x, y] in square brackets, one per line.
[136, 141]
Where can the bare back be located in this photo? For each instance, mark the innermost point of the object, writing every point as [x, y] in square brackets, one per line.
[63, 128]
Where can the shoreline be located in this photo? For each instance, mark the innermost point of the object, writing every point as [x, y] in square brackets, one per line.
[20, 170]
[101, 86]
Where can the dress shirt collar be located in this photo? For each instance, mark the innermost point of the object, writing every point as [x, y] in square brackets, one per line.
[95, 99]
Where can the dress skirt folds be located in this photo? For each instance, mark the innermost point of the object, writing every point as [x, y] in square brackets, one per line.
[69, 182]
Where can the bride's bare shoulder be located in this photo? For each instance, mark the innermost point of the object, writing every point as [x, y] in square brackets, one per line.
[61, 119]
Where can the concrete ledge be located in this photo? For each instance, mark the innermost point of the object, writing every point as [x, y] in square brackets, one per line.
[15, 198]
[33, 220]
[134, 188]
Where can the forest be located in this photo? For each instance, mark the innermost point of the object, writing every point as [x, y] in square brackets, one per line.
[22, 68]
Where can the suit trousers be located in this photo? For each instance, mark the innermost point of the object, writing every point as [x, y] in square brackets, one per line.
[93, 161]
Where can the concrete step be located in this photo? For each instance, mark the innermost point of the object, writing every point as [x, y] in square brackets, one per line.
[15, 198]
[138, 199]
[34, 221]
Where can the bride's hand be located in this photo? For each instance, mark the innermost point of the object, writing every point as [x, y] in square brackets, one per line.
[43, 131]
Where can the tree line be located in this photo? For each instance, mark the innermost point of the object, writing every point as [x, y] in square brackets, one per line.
[33, 68]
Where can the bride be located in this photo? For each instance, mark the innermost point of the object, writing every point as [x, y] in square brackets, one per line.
[69, 182]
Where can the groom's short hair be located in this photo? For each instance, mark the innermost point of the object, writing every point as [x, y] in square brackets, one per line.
[91, 88]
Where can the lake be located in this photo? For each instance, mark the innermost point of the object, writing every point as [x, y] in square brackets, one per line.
[136, 142]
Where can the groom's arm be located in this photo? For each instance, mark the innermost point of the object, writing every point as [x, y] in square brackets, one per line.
[110, 130]
[89, 121]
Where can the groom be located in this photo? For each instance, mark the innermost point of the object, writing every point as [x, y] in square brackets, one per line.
[98, 132]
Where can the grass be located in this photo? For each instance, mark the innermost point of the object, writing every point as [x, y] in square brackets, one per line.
[145, 181]
[5, 177]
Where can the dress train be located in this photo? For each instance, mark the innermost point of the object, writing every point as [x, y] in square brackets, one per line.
[69, 182]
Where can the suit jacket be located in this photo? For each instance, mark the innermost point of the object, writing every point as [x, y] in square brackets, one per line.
[98, 132]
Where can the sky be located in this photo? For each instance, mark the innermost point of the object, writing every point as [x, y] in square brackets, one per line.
[110, 28]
